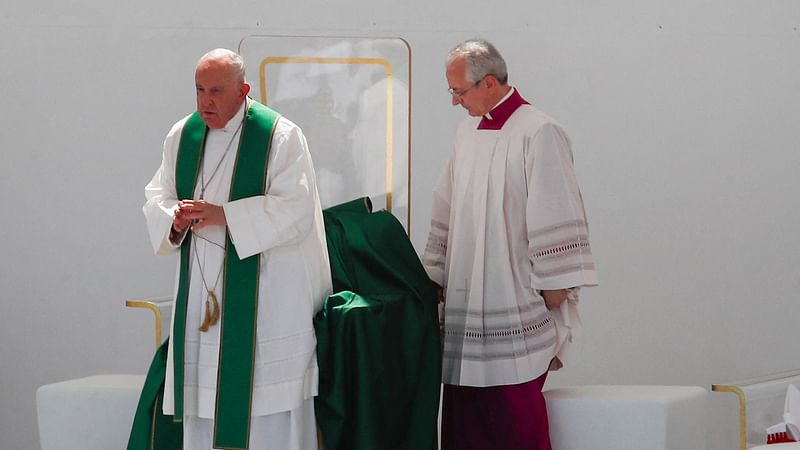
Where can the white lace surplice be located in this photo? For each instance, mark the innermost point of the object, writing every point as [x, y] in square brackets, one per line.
[507, 221]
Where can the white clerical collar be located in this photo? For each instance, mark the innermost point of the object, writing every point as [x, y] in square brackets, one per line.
[488, 115]
[233, 124]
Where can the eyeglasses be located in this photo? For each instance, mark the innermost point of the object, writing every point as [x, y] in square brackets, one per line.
[458, 95]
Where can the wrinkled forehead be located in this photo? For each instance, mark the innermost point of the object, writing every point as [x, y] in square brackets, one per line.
[215, 71]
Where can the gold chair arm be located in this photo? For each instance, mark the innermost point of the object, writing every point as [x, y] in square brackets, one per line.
[742, 410]
[152, 307]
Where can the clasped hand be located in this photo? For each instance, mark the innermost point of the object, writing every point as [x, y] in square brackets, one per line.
[553, 299]
[199, 214]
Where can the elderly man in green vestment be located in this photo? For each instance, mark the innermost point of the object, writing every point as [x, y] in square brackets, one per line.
[236, 196]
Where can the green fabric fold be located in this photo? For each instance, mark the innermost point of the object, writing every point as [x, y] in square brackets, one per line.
[151, 429]
[377, 337]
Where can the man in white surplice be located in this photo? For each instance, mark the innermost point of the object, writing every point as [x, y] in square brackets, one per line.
[509, 247]
[284, 226]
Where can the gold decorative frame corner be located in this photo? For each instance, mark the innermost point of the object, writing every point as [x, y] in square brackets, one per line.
[387, 66]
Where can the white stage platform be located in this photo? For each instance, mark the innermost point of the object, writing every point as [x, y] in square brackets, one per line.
[95, 413]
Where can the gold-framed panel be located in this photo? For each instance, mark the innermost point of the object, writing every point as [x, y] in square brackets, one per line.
[387, 66]
[328, 85]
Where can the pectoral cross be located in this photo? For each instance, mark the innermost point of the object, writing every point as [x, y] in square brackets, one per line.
[212, 312]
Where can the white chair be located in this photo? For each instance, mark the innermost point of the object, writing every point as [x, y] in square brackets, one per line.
[96, 412]
[628, 417]
[761, 405]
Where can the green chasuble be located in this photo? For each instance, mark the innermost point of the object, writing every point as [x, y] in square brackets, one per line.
[377, 337]
[240, 301]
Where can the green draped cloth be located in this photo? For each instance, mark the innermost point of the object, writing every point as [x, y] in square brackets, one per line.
[151, 429]
[377, 337]
[377, 345]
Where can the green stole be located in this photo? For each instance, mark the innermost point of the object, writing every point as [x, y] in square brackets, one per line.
[240, 279]
[151, 429]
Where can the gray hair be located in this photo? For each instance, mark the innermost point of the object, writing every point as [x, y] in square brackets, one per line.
[234, 60]
[482, 59]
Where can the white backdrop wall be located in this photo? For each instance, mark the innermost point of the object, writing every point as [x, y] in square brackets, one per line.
[683, 116]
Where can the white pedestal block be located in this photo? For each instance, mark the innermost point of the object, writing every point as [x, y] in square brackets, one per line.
[92, 413]
[628, 417]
